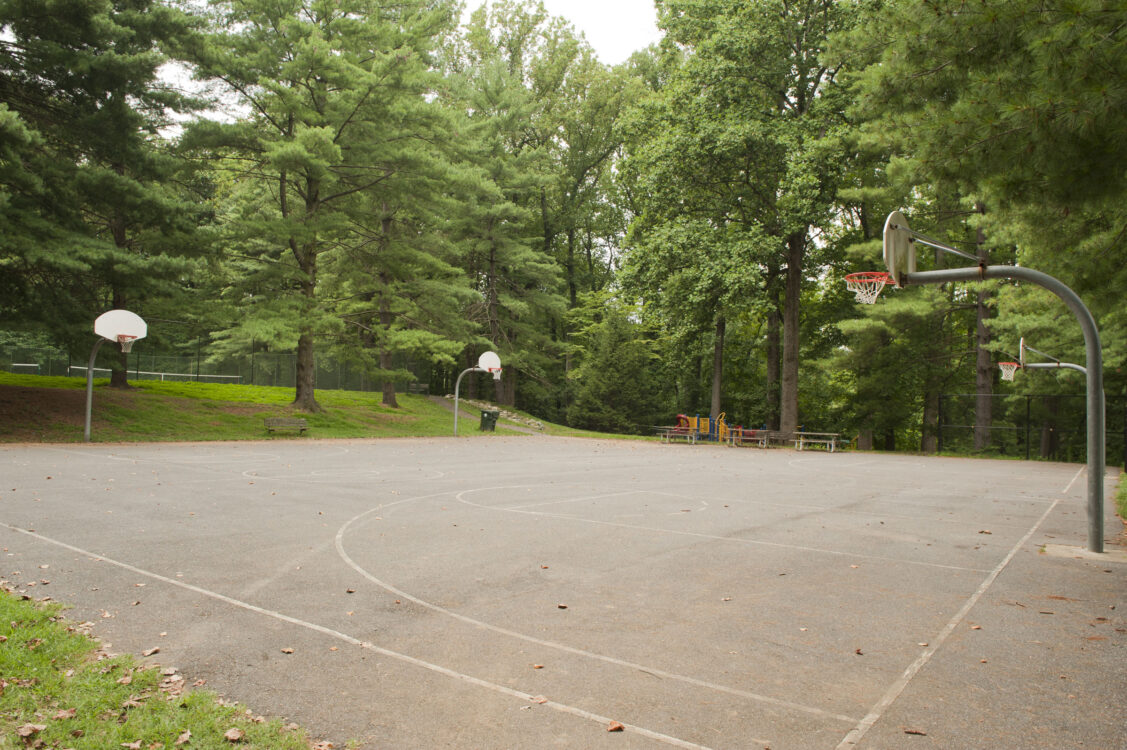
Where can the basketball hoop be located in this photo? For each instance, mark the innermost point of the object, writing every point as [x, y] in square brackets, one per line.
[126, 342]
[496, 373]
[1009, 369]
[866, 285]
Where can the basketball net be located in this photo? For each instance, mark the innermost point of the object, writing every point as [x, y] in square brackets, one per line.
[866, 285]
[1009, 369]
[126, 342]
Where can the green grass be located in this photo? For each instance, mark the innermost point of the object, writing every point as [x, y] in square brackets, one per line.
[1121, 496]
[60, 689]
[50, 409]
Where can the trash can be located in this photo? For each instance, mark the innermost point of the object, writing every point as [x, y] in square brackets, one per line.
[489, 420]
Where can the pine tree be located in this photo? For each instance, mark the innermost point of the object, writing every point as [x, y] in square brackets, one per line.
[328, 89]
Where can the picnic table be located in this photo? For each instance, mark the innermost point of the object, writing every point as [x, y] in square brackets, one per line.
[766, 438]
[669, 434]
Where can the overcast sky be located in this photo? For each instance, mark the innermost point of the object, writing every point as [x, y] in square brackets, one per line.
[614, 28]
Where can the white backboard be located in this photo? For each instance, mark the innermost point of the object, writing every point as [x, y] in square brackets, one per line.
[489, 361]
[110, 325]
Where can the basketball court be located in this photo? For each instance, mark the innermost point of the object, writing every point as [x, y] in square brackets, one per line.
[526, 592]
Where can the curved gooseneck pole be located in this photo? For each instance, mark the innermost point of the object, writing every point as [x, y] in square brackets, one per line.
[457, 385]
[1093, 371]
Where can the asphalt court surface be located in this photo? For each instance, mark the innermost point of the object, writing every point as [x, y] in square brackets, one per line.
[525, 592]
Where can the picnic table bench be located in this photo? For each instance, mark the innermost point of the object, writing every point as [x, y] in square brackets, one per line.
[767, 438]
[828, 440]
[286, 423]
[669, 434]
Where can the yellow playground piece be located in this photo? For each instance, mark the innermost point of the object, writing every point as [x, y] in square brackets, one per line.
[705, 428]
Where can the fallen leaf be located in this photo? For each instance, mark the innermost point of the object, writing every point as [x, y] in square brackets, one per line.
[539, 699]
[66, 714]
[132, 745]
[976, 627]
[30, 730]
[350, 591]
[615, 726]
[537, 666]
[859, 652]
[234, 735]
[126, 680]
[919, 732]
[985, 531]
[151, 651]
[561, 606]
[287, 651]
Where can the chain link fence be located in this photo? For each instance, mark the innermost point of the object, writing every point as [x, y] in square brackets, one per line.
[1032, 427]
[270, 368]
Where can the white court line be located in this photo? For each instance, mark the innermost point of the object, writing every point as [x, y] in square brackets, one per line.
[634, 527]
[1078, 473]
[561, 646]
[858, 732]
[527, 697]
[569, 500]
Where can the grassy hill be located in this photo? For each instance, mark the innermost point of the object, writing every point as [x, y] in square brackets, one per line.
[35, 408]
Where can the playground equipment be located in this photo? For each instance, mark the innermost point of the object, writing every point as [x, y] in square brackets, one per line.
[704, 428]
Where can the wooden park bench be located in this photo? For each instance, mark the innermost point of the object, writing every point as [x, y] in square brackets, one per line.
[828, 440]
[286, 423]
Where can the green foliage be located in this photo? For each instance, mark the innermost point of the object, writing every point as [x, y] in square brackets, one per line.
[94, 204]
[618, 383]
[1016, 106]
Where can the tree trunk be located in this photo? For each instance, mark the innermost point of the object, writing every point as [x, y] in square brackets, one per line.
[984, 364]
[306, 256]
[304, 398]
[572, 287]
[1049, 442]
[388, 386]
[788, 417]
[890, 441]
[930, 441]
[717, 366]
[865, 440]
[774, 355]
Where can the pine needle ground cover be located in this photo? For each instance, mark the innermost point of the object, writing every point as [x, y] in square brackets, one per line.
[60, 689]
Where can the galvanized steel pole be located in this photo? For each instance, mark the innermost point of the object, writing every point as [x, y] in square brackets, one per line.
[457, 385]
[1095, 397]
[90, 384]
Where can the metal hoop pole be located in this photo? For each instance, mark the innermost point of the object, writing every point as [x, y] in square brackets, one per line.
[1055, 366]
[90, 385]
[457, 385]
[1097, 459]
